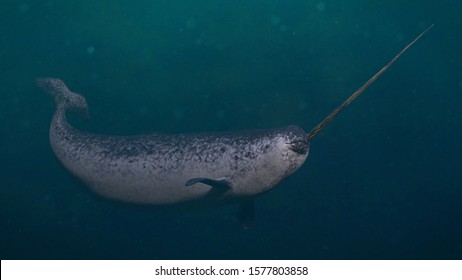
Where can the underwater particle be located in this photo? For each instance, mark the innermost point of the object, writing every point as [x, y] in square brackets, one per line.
[24, 8]
[25, 123]
[91, 50]
[399, 36]
[178, 113]
[16, 100]
[220, 114]
[219, 46]
[94, 76]
[143, 110]
[275, 20]
[191, 24]
[321, 6]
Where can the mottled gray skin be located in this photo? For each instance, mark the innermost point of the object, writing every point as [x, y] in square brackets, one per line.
[153, 169]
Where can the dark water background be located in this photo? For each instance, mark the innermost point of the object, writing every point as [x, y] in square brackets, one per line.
[383, 181]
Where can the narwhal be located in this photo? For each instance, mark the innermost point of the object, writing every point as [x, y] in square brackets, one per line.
[186, 170]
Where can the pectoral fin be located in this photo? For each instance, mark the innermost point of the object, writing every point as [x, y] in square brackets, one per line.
[221, 183]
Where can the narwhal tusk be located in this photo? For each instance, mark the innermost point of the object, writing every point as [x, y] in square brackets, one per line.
[360, 90]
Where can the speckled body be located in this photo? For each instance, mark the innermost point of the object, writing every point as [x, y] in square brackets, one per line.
[153, 168]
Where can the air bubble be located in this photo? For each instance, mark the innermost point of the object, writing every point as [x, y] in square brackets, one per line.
[321, 6]
[24, 8]
[91, 50]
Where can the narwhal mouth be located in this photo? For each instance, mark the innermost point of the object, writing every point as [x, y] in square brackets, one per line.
[300, 146]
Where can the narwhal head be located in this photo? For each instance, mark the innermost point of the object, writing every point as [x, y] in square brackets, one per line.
[266, 158]
[294, 147]
[284, 150]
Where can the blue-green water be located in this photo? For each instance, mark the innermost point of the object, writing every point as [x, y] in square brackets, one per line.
[383, 181]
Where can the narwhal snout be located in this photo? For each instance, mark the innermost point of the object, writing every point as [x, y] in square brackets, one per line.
[300, 146]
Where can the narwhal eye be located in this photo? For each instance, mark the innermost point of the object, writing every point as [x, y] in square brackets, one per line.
[300, 147]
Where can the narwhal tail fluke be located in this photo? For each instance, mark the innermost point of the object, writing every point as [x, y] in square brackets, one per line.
[64, 98]
[358, 92]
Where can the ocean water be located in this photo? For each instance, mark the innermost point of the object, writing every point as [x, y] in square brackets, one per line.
[383, 181]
